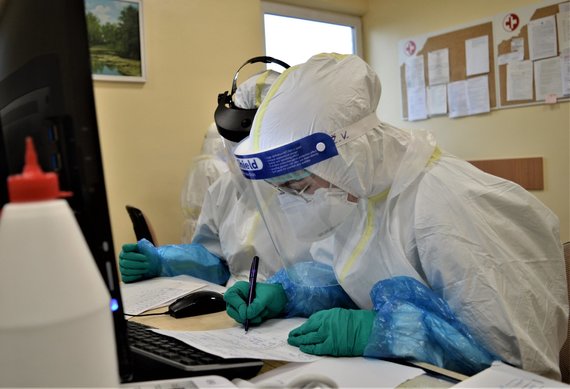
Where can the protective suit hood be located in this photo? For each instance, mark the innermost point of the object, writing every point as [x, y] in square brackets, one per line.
[336, 95]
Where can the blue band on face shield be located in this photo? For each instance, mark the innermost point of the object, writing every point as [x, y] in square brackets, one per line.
[289, 158]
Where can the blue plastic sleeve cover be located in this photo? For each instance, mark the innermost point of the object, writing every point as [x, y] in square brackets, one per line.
[289, 158]
[311, 296]
[189, 259]
[412, 322]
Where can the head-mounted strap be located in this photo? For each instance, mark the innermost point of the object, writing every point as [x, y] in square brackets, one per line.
[264, 59]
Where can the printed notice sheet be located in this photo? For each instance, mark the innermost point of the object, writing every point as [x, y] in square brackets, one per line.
[542, 38]
[437, 100]
[417, 105]
[267, 341]
[438, 66]
[548, 78]
[478, 95]
[519, 80]
[415, 77]
[457, 99]
[477, 55]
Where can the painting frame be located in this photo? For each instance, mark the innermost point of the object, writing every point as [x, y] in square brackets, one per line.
[115, 31]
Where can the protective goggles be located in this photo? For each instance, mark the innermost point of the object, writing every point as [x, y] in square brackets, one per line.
[301, 183]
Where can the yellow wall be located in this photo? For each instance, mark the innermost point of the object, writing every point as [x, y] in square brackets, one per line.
[151, 131]
[542, 130]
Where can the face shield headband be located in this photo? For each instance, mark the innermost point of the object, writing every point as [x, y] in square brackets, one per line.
[234, 123]
[288, 158]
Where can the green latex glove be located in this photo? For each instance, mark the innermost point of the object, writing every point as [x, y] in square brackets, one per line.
[136, 266]
[338, 332]
[269, 302]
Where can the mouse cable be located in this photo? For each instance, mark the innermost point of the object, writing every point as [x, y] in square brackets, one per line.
[147, 314]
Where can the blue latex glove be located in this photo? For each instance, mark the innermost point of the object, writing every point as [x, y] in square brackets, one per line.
[338, 332]
[269, 302]
[189, 259]
[143, 260]
[135, 265]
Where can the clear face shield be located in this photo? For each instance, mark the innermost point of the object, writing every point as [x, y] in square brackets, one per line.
[299, 208]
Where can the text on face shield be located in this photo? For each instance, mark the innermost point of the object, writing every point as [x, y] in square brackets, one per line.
[250, 164]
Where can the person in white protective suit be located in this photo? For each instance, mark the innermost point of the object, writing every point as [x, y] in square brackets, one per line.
[447, 264]
[229, 231]
[205, 169]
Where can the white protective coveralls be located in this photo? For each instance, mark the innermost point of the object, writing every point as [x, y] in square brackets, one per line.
[484, 244]
[205, 169]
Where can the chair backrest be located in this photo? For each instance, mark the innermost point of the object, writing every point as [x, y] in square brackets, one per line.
[565, 351]
[141, 225]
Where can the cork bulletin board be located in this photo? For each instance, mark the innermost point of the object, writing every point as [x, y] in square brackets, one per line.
[504, 32]
[504, 46]
[454, 41]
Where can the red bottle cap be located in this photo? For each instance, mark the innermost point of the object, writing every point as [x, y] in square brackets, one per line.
[33, 184]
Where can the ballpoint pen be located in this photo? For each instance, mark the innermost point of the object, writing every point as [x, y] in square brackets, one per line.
[252, 282]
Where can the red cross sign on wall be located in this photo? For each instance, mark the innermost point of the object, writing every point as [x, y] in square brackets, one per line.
[511, 22]
[410, 47]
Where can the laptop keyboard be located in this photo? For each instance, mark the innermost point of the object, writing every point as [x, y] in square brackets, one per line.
[178, 354]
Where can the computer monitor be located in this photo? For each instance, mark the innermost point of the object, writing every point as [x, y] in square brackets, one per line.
[46, 92]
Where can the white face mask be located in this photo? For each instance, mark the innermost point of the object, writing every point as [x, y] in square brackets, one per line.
[317, 219]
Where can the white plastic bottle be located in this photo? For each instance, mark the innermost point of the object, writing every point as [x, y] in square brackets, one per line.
[56, 327]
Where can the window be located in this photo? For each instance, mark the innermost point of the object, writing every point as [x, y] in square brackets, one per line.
[294, 34]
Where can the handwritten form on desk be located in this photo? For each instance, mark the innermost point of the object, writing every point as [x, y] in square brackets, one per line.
[141, 296]
[267, 341]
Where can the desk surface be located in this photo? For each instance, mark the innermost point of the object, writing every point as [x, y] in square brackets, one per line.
[221, 320]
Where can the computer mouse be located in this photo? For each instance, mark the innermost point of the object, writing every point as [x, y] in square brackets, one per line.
[197, 303]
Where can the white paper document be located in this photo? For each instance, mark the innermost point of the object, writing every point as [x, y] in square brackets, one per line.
[500, 375]
[156, 292]
[457, 99]
[267, 341]
[415, 77]
[417, 105]
[336, 372]
[511, 57]
[548, 78]
[477, 55]
[437, 100]
[478, 95]
[542, 38]
[519, 81]
[438, 66]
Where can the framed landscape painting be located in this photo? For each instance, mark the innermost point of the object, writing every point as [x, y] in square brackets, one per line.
[116, 44]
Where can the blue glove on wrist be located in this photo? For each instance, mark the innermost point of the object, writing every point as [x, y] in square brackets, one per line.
[135, 265]
[338, 332]
[269, 302]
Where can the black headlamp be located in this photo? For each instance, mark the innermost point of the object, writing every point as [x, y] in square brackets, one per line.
[234, 123]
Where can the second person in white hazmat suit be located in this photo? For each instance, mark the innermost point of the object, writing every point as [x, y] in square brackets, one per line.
[205, 169]
[447, 264]
[226, 234]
